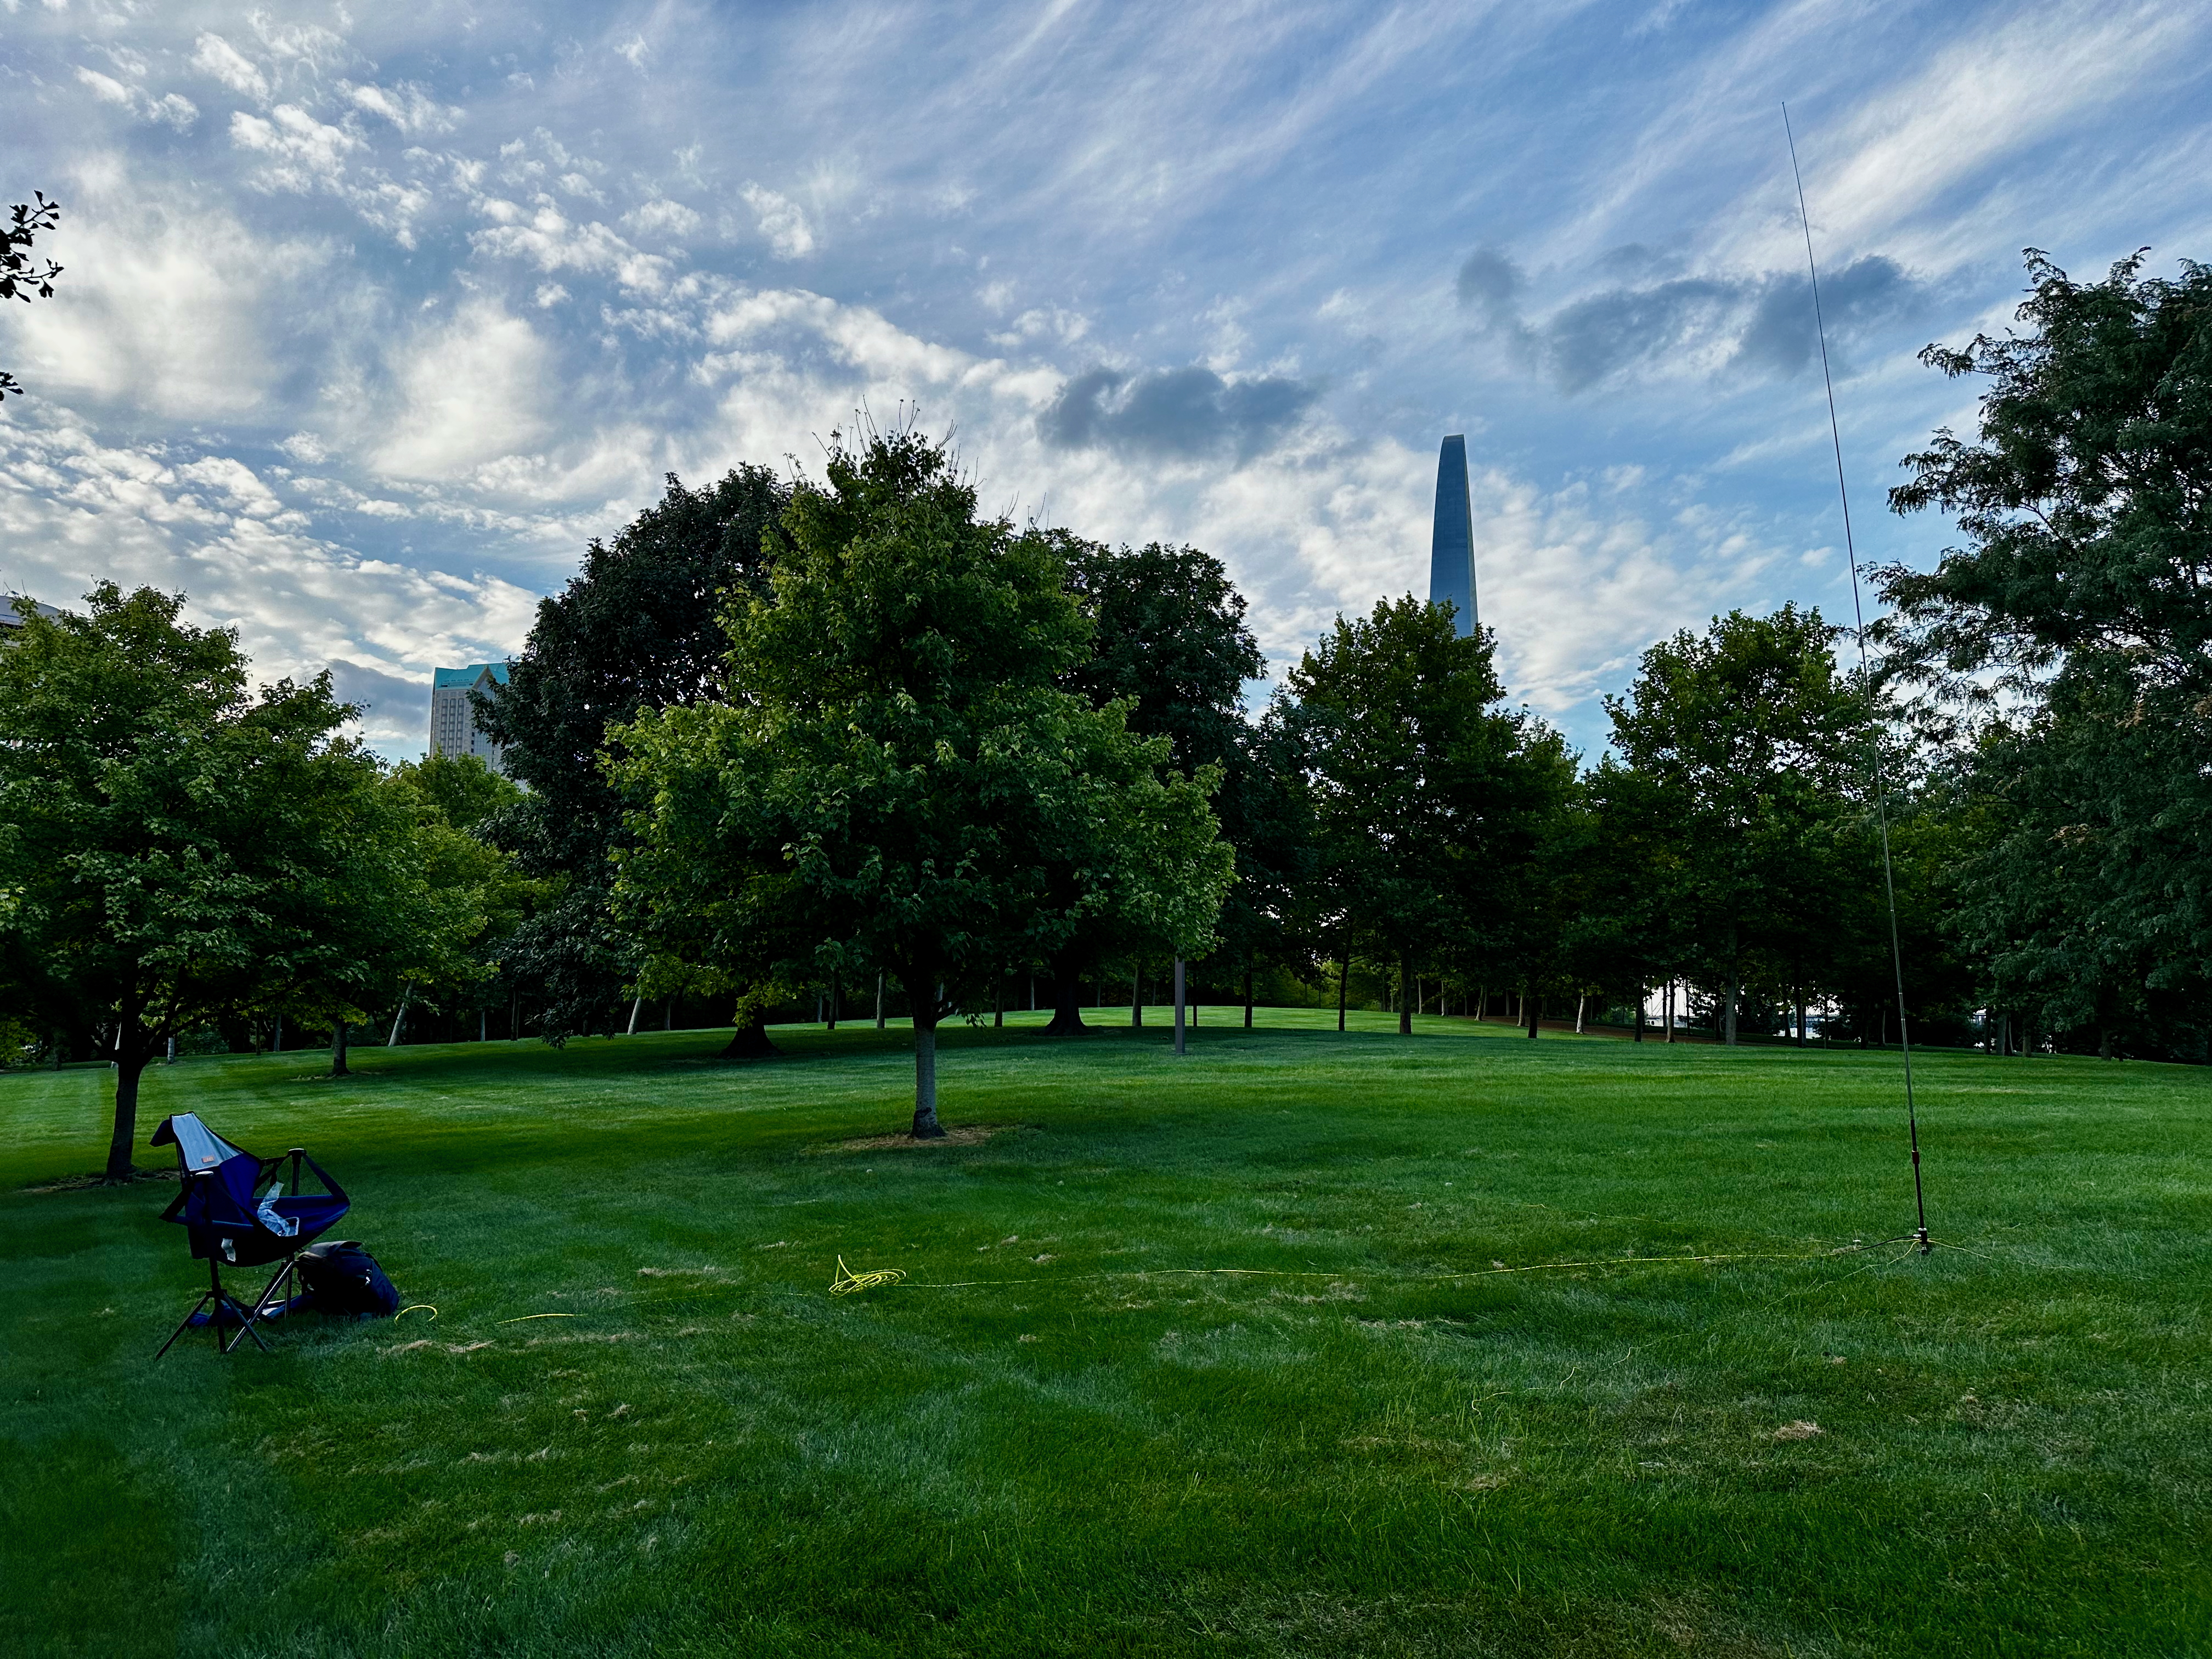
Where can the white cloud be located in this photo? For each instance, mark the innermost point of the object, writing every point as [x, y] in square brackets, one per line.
[174, 309]
[1993, 93]
[304, 153]
[548, 238]
[1043, 323]
[781, 220]
[474, 391]
[171, 109]
[407, 106]
[218, 58]
[662, 217]
[74, 510]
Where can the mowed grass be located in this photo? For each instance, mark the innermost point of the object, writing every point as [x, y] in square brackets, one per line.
[1404, 1428]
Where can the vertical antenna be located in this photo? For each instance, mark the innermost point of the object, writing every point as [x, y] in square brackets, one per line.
[1866, 683]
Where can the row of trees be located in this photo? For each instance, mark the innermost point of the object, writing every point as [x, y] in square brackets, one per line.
[789, 738]
[178, 850]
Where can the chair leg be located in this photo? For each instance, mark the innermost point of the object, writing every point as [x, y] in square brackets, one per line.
[245, 1328]
[223, 1302]
[185, 1324]
[268, 1296]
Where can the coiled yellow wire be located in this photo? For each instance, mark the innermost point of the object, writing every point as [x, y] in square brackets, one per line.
[847, 1281]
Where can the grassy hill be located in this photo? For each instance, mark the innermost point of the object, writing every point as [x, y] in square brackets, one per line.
[1302, 1344]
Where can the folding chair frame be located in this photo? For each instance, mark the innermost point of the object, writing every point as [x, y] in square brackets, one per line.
[286, 1269]
[224, 1301]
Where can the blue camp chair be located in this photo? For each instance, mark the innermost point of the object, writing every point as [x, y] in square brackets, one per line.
[225, 1210]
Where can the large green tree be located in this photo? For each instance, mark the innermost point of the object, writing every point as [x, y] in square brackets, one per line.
[1429, 800]
[1751, 746]
[176, 848]
[1169, 644]
[892, 774]
[2069, 639]
[636, 629]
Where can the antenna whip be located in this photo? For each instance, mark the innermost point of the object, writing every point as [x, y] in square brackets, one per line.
[1866, 681]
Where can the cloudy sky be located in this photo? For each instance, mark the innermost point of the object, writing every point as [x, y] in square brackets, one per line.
[375, 315]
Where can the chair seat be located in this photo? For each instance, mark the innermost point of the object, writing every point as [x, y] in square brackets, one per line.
[314, 1211]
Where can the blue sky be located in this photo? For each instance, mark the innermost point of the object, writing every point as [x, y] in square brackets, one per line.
[373, 316]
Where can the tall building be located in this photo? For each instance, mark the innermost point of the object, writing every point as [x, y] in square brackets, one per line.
[454, 717]
[1451, 549]
[10, 619]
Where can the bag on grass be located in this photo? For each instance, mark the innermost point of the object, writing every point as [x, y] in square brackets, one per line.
[342, 1277]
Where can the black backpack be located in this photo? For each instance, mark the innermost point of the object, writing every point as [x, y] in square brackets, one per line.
[342, 1277]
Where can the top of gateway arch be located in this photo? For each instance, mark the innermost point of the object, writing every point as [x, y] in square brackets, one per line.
[1451, 549]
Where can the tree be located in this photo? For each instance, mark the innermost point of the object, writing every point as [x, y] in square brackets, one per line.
[1626, 930]
[450, 801]
[466, 793]
[636, 630]
[21, 276]
[1428, 802]
[2068, 644]
[892, 770]
[1170, 642]
[175, 849]
[1753, 744]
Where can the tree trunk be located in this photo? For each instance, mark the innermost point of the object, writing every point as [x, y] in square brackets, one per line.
[1405, 997]
[1735, 989]
[1640, 991]
[338, 1051]
[1247, 993]
[1179, 989]
[750, 1041]
[129, 1066]
[399, 1019]
[925, 1126]
[1137, 996]
[835, 990]
[1481, 1002]
[1669, 1015]
[1343, 986]
[1066, 997]
[636, 1004]
[1581, 997]
[1534, 1005]
[998, 1002]
[132, 1048]
[879, 998]
[2104, 1051]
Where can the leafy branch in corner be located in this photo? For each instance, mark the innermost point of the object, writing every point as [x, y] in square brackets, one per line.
[20, 275]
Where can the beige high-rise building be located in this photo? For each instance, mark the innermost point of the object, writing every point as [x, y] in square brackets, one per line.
[454, 717]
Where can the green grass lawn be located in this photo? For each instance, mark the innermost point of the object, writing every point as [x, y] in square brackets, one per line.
[1404, 1429]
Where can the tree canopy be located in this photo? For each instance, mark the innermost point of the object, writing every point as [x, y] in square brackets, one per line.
[2069, 639]
[176, 848]
[636, 630]
[893, 776]
[1427, 799]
